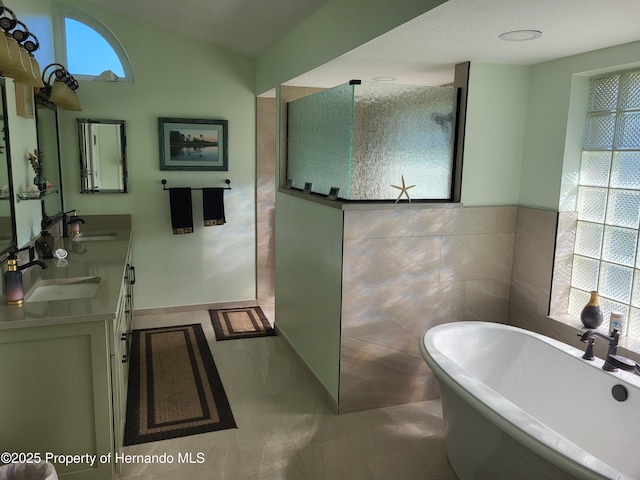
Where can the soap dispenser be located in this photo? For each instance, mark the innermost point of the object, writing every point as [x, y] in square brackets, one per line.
[74, 223]
[13, 288]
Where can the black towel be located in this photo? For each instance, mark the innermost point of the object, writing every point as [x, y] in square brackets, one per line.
[213, 206]
[181, 210]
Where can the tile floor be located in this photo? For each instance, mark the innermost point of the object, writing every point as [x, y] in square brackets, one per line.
[286, 432]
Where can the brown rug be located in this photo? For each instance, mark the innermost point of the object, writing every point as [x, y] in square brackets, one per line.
[246, 322]
[174, 386]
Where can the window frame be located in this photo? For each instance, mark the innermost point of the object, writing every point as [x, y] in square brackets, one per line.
[62, 12]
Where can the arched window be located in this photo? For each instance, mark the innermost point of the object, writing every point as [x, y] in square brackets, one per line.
[87, 48]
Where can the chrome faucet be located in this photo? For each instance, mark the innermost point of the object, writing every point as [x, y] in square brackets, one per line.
[613, 361]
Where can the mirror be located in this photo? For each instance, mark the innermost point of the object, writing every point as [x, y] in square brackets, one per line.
[7, 214]
[48, 146]
[103, 160]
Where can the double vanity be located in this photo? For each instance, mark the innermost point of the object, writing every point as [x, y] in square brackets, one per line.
[64, 353]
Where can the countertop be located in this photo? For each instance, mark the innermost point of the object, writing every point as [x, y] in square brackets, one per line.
[105, 259]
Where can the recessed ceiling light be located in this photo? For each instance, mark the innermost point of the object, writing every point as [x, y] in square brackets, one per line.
[383, 79]
[521, 35]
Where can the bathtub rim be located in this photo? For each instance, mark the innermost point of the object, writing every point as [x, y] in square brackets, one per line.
[478, 395]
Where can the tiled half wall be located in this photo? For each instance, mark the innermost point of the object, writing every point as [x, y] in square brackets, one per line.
[406, 270]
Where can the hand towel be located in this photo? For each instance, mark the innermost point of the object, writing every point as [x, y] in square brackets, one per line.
[181, 210]
[213, 206]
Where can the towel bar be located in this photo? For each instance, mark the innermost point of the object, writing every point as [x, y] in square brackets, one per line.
[227, 181]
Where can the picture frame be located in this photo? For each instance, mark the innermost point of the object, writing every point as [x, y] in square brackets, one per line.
[307, 187]
[333, 193]
[193, 144]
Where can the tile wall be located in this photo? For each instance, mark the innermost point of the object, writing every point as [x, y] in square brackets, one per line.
[407, 269]
[266, 203]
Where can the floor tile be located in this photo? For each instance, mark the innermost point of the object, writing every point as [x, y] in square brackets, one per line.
[286, 431]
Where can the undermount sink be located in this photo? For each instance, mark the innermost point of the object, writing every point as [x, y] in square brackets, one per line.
[94, 237]
[63, 289]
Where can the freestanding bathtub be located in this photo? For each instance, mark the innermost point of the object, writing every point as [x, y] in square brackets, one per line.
[518, 405]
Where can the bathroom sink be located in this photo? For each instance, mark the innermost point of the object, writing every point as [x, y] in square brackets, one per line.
[94, 237]
[63, 289]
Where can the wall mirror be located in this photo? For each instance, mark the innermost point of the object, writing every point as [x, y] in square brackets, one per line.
[103, 160]
[48, 146]
[7, 214]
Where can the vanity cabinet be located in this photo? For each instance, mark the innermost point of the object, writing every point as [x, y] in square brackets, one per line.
[120, 356]
[63, 380]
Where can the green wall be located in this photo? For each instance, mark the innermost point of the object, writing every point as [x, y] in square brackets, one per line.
[175, 76]
[309, 283]
[555, 120]
[496, 113]
[336, 28]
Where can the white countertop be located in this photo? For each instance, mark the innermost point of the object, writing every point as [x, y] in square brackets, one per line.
[104, 259]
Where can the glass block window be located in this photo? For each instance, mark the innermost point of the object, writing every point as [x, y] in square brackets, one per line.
[606, 250]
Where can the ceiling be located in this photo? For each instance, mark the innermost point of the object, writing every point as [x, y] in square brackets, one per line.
[424, 50]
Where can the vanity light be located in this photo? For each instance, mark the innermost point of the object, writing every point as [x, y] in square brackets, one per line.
[520, 35]
[16, 50]
[63, 90]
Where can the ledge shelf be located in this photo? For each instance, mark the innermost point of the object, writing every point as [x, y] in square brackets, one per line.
[41, 194]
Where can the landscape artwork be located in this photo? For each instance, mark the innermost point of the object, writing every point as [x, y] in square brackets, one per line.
[193, 144]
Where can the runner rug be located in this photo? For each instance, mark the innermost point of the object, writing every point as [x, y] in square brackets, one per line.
[174, 386]
[246, 322]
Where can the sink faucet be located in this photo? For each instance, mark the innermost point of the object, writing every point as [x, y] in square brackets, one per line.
[70, 220]
[613, 361]
[32, 263]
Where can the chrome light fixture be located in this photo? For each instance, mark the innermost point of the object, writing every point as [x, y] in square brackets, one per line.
[17, 45]
[62, 92]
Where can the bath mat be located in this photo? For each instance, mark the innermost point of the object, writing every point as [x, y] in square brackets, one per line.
[174, 386]
[246, 322]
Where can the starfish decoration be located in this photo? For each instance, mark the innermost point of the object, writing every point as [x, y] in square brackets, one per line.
[403, 190]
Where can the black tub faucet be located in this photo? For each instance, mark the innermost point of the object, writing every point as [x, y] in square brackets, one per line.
[613, 361]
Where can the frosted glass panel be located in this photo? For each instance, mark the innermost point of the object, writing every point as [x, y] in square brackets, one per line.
[592, 203]
[584, 274]
[402, 130]
[599, 131]
[603, 95]
[625, 172]
[619, 245]
[594, 168]
[630, 91]
[615, 282]
[589, 239]
[319, 140]
[623, 208]
[628, 134]
[364, 138]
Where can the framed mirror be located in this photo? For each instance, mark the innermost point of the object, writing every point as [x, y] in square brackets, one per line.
[7, 213]
[49, 148]
[103, 159]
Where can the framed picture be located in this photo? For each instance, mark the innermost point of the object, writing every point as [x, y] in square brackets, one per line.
[307, 187]
[193, 144]
[333, 193]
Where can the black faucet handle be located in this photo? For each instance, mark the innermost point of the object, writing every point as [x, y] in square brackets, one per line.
[623, 363]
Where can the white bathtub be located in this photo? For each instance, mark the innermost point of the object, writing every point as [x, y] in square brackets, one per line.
[518, 405]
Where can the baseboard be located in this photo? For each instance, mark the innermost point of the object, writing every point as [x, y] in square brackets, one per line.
[195, 308]
[327, 397]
